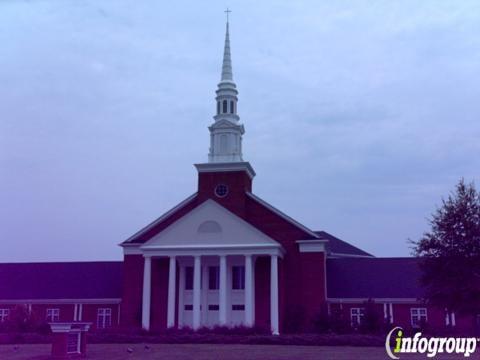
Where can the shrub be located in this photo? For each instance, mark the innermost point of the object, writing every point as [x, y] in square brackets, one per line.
[338, 323]
[294, 319]
[371, 322]
[20, 320]
[321, 322]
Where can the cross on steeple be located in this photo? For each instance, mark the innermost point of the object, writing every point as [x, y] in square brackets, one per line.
[228, 11]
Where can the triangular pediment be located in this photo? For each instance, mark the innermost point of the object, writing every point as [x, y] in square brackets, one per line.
[209, 224]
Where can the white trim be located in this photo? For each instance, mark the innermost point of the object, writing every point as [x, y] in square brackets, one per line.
[75, 312]
[146, 294]
[172, 286]
[132, 249]
[314, 245]
[80, 312]
[388, 312]
[63, 327]
[215, 251]
[219, 247]
[245, 236]
[274, 295]
[181, 292]
[197, 267]
[332, 254]
[226, 167]
[282, 215]
[249, 290]
[204, 292]
[62, 301]
[160, 219]
[222, 290]
[449, 318]
[377, 300]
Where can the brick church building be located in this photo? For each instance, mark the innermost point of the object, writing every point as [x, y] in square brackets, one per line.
[224, 256]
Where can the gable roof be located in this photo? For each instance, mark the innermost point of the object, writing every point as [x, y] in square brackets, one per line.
[61, 280]
[223, 228]
[309, 233]
[162, 222]
[339, 248]
[363, 278]
[191, 203]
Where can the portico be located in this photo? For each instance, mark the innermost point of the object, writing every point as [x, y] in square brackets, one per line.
[215, 265]
[213, 290]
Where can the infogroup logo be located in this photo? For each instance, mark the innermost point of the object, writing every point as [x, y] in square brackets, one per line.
[431, 346]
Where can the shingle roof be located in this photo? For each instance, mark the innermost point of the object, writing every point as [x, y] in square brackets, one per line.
[337, 246]
[66, 280]
[374, 278]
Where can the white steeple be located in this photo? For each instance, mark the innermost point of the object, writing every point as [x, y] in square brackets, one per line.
[226, 132]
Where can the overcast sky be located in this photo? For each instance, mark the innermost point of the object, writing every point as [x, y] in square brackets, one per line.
[359, 115]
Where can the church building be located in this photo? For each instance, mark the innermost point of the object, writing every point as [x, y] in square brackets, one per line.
[224, 256]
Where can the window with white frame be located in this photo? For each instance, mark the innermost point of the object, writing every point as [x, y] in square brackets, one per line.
[4, 314]
[356, 316]
[418, 316]
[104, 318]
[238, 277]
[53, 315]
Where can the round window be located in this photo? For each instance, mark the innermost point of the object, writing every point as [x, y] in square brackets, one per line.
[221, 190]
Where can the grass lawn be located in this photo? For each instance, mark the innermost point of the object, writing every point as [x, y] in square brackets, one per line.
[211, 352]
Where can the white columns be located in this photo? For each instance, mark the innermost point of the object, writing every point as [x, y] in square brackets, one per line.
[147, 283]
[204, 296]
[181, 289]
[172, 282]
[274, 294]
[249, 290]
[196, 292]
[223, 291]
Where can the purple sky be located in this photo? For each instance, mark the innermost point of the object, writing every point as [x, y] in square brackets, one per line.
[359, 115]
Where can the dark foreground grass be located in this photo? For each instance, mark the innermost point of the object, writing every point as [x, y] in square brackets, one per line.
[209, 352]
[208, 338]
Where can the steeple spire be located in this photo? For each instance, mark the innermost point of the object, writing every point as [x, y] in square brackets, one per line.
[226, 132]
[227, 74]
